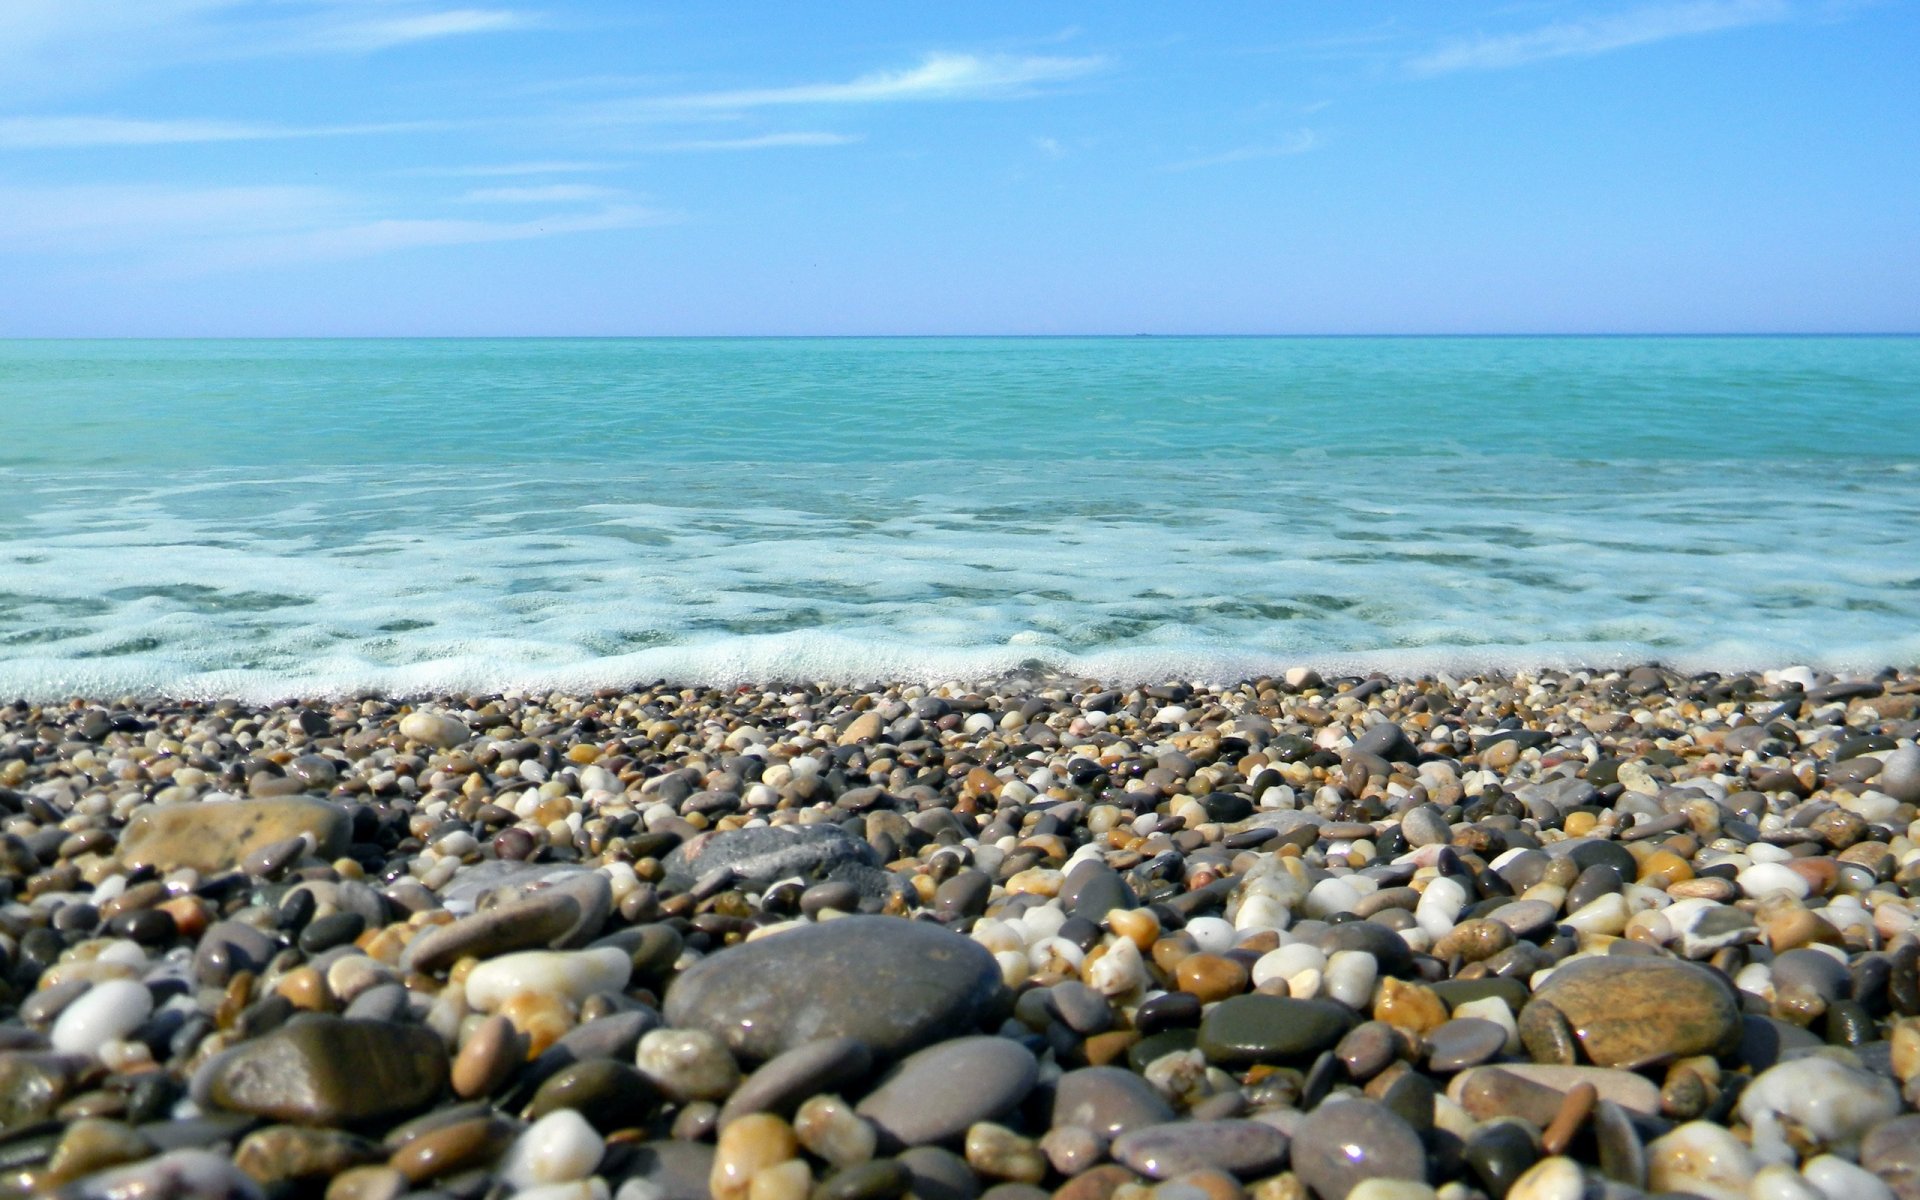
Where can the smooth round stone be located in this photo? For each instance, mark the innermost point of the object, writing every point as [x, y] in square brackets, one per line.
[570, 975]
[1243, 1148]
[894, 984]
[1464, 1042]
[321, 1070]
[1835, 1176]
[439, 730]
[1246, 1030]
[1346, 1141]
[1080, 1008]
[807, 1070]
[935, 1094]
[1367, 1049]
[687, 1064]
[669, 1170]
[187, 1174]
[1823, 1099]
[762, 855]
[559, 1147]
[1108, 1101]
[938, 1174]
[1500, 1152]
[1899, 775]
[230, 946]
[293, 1154]
[1634, 1012]
[1764, 879]
[1701, 1159]
[1526, 917]
[610, 1095]
[109, 1011]
[1892, 1152]
[334, 929]
[531, 921]
[491, 1054]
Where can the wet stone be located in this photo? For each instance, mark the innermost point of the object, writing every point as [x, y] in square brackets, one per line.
[1464, 1042]
[810, 1069]
[1245, 1030]
[759, 856]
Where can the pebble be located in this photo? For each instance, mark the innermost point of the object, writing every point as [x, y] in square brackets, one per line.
[1242, 1148]
[106, 1012]
[937, 1093]
[1344, 1142]
[558, 1148]
[896, 985]
[326, 1070]
[1102, 940]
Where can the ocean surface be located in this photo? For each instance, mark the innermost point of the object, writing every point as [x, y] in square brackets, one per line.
[272, 519]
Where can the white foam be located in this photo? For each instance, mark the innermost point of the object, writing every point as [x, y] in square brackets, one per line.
[226, 583]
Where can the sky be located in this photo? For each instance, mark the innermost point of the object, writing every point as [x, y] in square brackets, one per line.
[545, 167]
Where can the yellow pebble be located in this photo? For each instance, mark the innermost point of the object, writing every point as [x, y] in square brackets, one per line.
[1137, 925]
[747, 1147]
[1580, 824]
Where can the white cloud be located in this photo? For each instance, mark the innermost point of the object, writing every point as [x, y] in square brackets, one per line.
[1050, 147]
[78, 132]
[1298, 142]
[765, 141]
[552, 193]
[1596, 35]
[938, 77]
[369, 239]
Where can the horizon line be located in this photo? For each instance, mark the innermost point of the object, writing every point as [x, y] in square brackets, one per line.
[825, 337]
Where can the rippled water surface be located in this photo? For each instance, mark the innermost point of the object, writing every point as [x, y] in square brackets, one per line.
[280, 518]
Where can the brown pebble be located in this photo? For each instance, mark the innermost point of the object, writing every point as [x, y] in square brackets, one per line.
[1573, 1113]
[1211, 977]
[368, 1183]
[447, 1149]
[1414, 1007]
[488, 1058]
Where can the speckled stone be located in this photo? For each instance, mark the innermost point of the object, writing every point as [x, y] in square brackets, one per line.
[896, 985]
[1632, 1012]
[211, 837]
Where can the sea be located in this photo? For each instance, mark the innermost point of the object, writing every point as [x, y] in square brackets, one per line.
[269, 520]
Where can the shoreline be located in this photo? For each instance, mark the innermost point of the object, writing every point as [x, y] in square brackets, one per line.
[1291, 911]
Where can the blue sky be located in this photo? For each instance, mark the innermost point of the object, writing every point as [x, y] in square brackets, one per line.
[362, 167]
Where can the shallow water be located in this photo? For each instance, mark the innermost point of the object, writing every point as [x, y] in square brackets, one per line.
[281, 518]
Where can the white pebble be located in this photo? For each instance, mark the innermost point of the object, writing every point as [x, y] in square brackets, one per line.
[1703, 1159]
[558, 1148]
[687, 1064]
[1839, 1179]
[1331, 896]
[1350, 976]
[106, 1012]
[1777, 1182]
[1261, 912]
[571, 974]
[1556, 1178]
[1492, 1008]
[1762, 879]
[1119, 971]
[1827, 1100]
[1213, 935]
[1439, 906]
[1286, 962]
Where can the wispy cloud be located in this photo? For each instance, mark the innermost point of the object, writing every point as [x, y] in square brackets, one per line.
[938, 77]
[510, 170]
[81, 132]
[552, 193]
[1595, 35]
[1298, 142]
[158, 230]
[765, 141]
[386, 32]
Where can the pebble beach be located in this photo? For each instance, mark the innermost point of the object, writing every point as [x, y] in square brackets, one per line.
[1541, 936]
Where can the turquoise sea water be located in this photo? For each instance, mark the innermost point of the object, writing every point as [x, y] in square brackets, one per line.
[272, 519]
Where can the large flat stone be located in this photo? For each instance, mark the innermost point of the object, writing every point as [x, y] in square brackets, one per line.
[215, 836]
[895, 984]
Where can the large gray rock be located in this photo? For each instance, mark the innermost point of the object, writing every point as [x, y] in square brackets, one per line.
[762, 855]
[894, 984]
